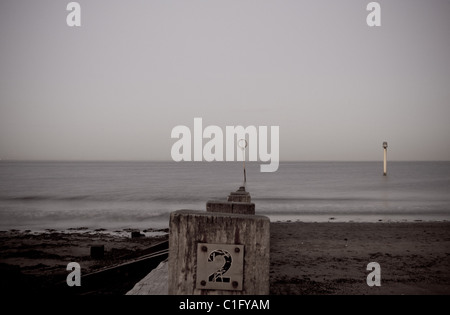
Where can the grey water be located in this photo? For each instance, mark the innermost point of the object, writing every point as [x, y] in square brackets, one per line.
[119, 195]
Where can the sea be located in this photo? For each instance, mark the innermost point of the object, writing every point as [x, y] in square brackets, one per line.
[39, 196]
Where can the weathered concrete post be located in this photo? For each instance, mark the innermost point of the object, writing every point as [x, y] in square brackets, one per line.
[224, 250]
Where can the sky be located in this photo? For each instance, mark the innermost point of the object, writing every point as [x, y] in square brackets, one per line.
[115, 87]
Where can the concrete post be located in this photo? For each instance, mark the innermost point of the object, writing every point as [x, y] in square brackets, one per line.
[240, 195]
[238, 202]
[218, 253]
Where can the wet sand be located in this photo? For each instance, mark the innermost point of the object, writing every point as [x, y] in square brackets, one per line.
[306, 258]
[33, 263]
[331, 258]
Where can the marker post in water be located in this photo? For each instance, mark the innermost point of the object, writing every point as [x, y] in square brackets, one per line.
[385, 145]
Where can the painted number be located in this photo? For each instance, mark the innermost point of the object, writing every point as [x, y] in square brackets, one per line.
[217, 276]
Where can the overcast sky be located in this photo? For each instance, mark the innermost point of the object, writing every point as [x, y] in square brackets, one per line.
[114, 88]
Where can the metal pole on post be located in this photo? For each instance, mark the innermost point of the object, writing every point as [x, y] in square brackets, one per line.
[243, 145]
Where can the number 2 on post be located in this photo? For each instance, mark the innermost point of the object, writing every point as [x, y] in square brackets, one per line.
[217, 276]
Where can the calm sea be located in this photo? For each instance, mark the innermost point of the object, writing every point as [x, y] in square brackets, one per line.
[119, 195]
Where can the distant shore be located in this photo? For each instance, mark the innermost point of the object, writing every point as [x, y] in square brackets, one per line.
[306, 258]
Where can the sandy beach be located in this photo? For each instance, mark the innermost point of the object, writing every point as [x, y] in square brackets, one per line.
[306, 258]
[331, 258]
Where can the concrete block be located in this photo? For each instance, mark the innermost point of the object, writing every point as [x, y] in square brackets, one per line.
[240, 195]
[230, 207]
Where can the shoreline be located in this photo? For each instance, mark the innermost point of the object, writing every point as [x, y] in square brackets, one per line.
[125, 233]
[366, 218]
[157, 229]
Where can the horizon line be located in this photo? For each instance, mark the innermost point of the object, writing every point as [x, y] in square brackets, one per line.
[157, 160]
